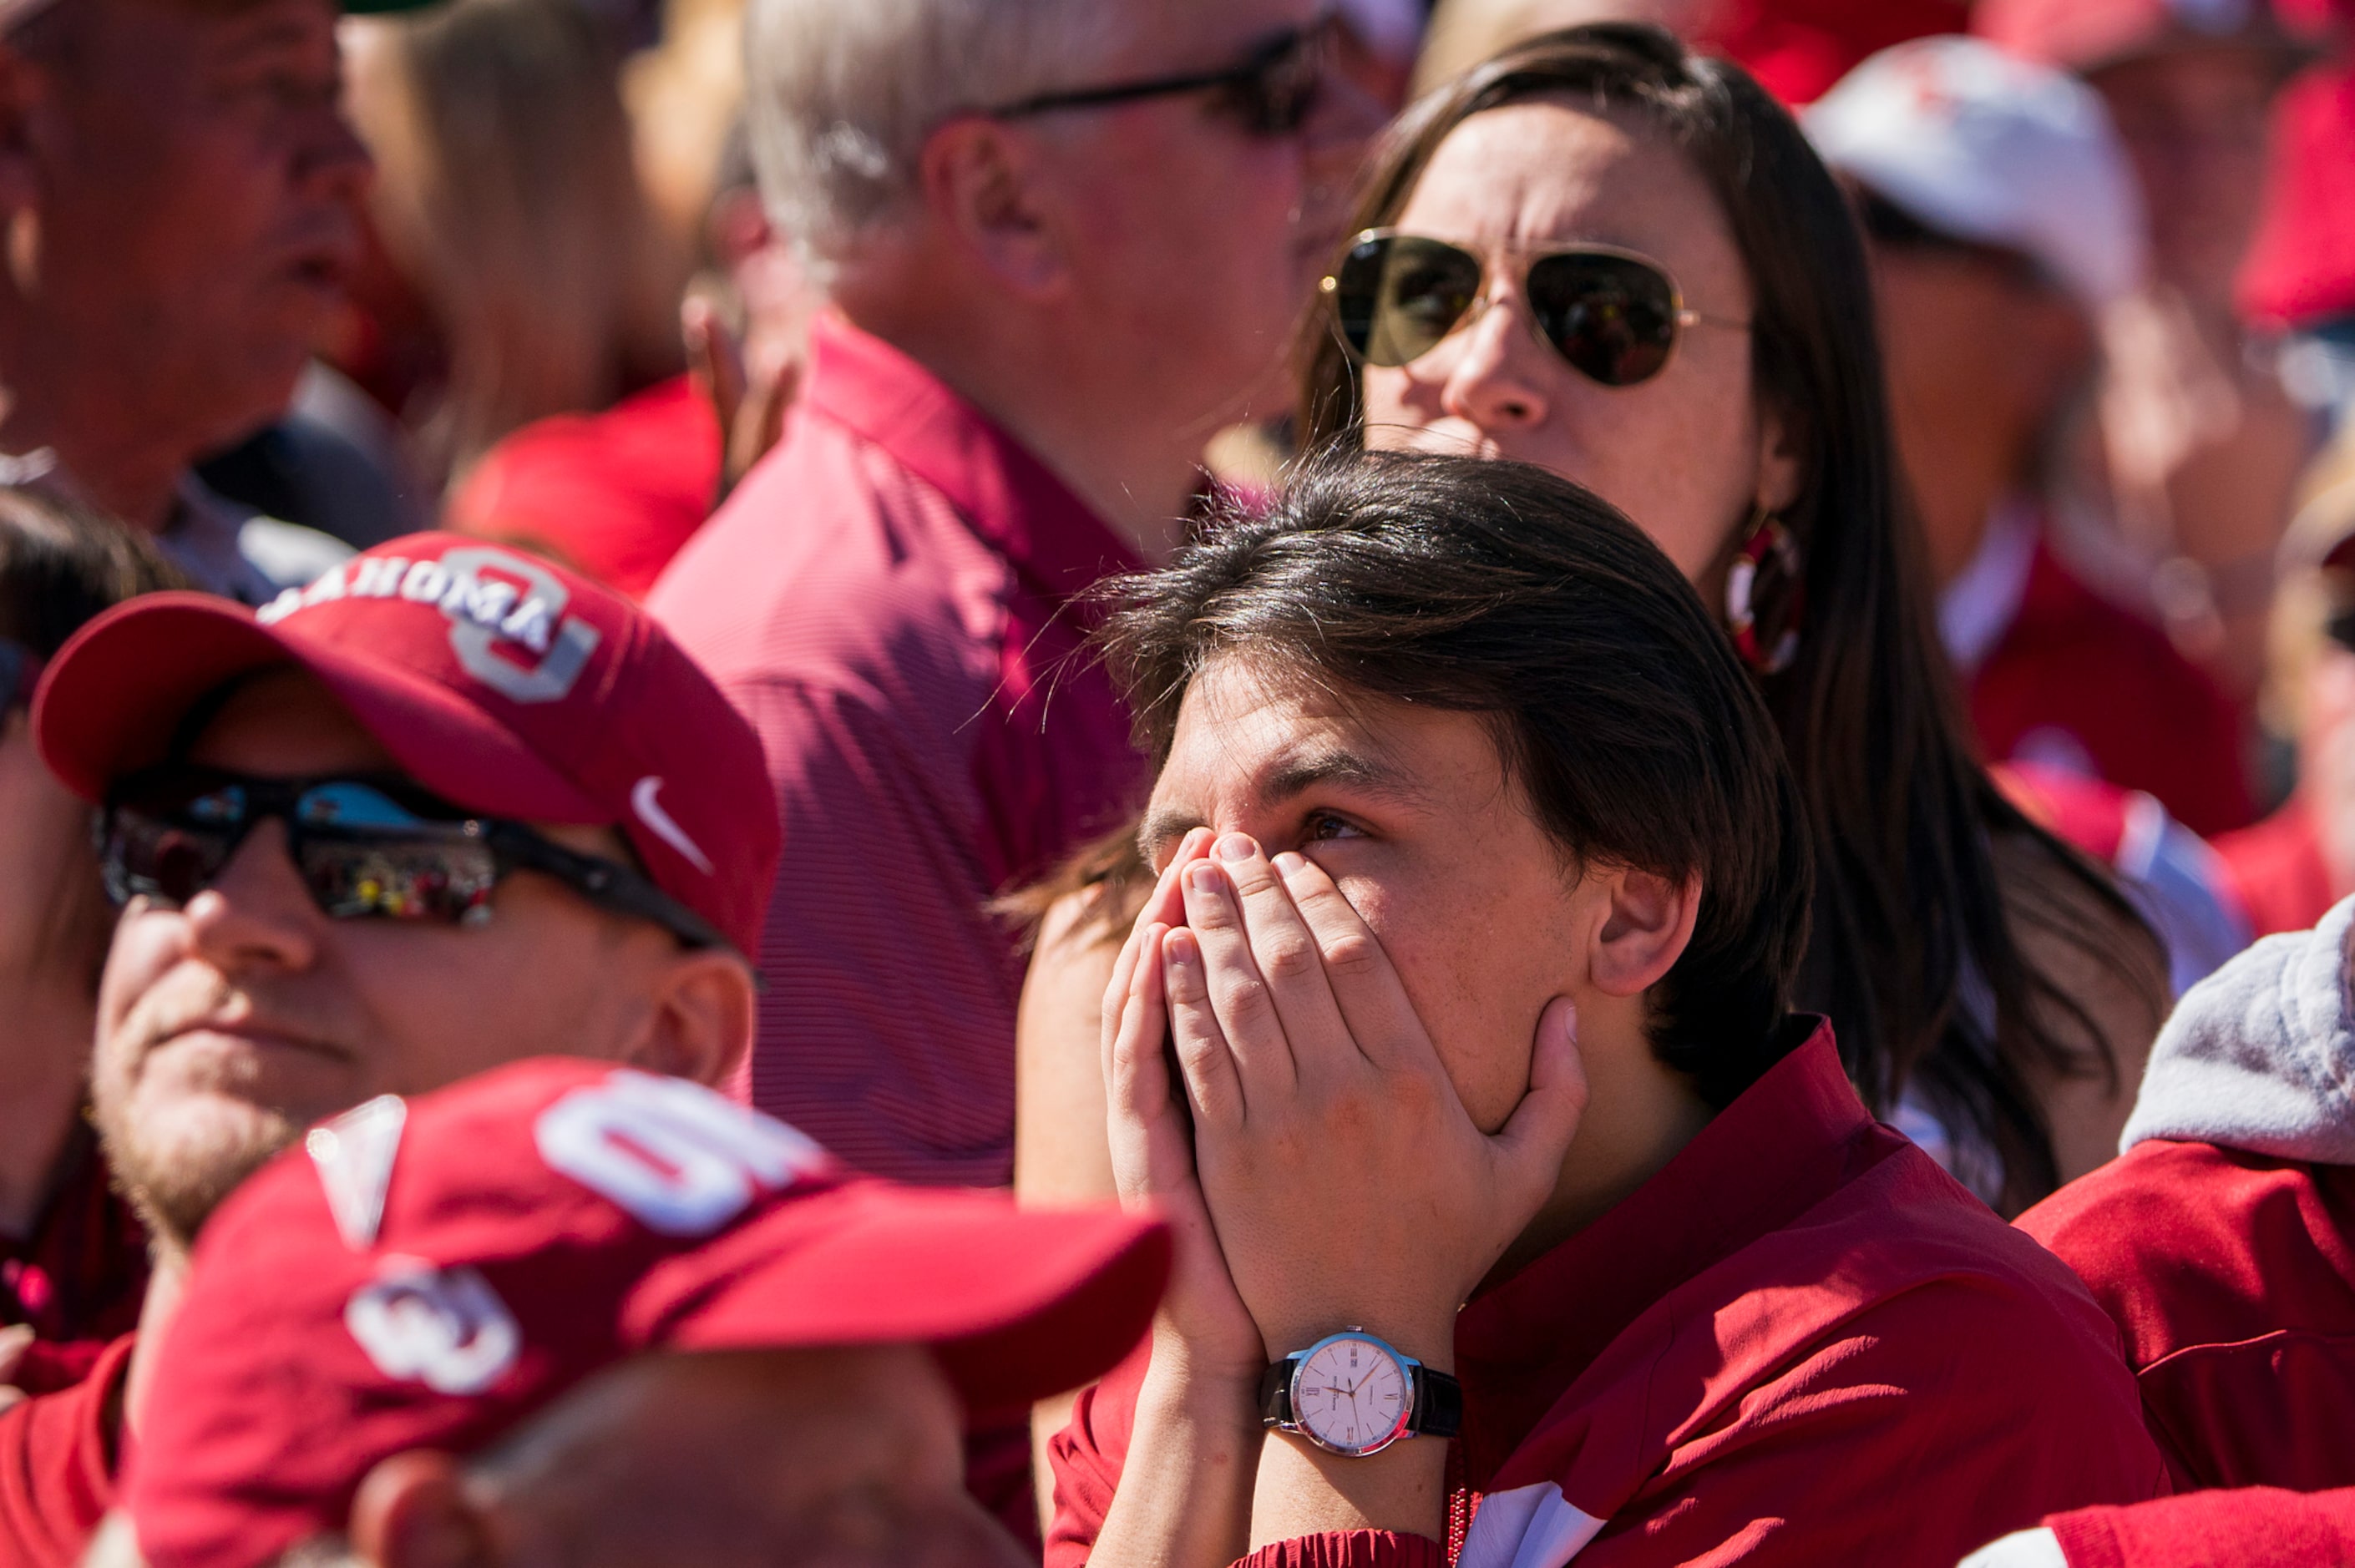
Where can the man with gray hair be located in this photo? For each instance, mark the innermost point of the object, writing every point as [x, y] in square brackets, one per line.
[1064, 242]
[180, 201]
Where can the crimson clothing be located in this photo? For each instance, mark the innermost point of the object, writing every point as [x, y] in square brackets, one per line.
[2259, 1528]
[81, 1274]
[1801, 1342]
[2076, 682]
[2232, 1277]
[887, 597]
[1799, 48]
[57, 1465]
[2275, 868]
[612, 495]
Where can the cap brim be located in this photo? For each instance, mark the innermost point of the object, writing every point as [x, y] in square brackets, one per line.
[117, 693]
[1018, 1304]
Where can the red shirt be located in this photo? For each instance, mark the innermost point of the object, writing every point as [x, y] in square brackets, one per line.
[2232, 1277]
[2259, 1528]
[57, 1466]
[2277, 869]
[2079, 682]
[1801, 1343]
[888, 598]
[1799, 48]
[615, 494]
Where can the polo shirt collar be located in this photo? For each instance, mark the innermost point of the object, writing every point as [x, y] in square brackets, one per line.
[1786, 1145]
[1004, 492]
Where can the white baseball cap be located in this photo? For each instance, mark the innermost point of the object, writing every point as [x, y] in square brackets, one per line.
[1975, 143]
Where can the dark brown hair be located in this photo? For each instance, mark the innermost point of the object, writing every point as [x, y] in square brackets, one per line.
[1503, 590]
[61, 566]
[1914, 955]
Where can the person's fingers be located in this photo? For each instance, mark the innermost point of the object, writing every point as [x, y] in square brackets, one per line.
[1214, 1083]
[1366, 988]
[715, 359]
[1289, 961]
[1531, 1144]
[1167, 902]
[760, 422]
[1165, 906]
[1235, 990]
[1149, 1148]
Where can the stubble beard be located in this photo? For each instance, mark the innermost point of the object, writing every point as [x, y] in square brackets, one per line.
[176, 1162]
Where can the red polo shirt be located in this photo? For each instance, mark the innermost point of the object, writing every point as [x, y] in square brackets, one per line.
[887, 597]
[1800, 1343]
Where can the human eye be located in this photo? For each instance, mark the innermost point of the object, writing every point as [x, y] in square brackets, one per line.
[1326, 826]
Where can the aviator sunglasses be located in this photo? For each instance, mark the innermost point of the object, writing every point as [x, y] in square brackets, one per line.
[1613, 315]
[365, 848]
[1272, 92]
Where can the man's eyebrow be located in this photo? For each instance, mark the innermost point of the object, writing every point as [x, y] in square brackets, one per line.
[1368, 775]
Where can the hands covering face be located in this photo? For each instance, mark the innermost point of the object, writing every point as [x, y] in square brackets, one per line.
[1331, 1175]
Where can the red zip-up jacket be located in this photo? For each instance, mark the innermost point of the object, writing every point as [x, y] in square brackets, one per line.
[1800, 1343]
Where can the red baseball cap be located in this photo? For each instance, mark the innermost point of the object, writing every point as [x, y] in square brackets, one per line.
[500, 681]
[2085, 35]
[430, 1273]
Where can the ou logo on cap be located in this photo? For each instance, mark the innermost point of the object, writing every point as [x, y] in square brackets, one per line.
[476, 640]
[444, 1327]
[681, 1160]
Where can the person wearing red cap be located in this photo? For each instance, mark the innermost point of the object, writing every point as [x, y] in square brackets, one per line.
[180, 201]
[2199, 445]
[447, 806]
[569, 1313]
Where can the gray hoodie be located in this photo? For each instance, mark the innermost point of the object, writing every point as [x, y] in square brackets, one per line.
[2261, 1054]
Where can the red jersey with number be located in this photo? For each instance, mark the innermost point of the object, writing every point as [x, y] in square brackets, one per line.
[1800, 1343]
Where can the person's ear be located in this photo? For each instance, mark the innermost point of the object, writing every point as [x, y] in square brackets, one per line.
[1782, 466]
[413, 1511]
[984, 182]
[1644, 930]
[701, 1022]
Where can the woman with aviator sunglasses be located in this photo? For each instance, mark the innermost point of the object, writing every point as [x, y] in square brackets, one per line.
[1620, 261]
[1604, 255]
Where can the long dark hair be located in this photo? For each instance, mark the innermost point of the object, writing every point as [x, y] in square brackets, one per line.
[1506, 591]
[1916, 953]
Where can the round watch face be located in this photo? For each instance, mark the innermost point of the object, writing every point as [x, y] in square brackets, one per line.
[1350, 1394]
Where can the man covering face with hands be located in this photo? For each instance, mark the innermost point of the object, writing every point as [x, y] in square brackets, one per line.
[1455, 1040]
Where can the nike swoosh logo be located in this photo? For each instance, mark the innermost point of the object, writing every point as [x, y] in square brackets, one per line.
[650, 811]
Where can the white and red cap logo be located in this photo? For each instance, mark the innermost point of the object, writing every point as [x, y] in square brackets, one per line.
[427, 1274]
[501, 681]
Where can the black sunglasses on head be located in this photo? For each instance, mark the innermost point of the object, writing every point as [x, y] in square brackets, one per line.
[367, 848]
[1272, 92]
[1613, 314]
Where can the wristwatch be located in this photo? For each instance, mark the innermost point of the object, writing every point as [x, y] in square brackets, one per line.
[1352, 1394]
